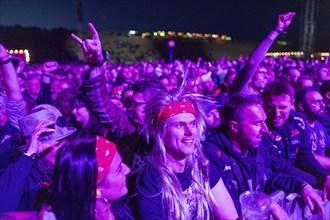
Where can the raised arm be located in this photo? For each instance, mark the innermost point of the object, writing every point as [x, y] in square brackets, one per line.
[92, 49]
[94, 86]
[15, 102]
[13, 179]
[45, 95]
[241, 81]
[13, 90]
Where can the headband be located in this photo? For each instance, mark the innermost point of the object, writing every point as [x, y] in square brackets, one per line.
[105, 152]
[175, 109]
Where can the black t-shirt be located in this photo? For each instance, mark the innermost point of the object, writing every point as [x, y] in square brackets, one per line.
[148, 202]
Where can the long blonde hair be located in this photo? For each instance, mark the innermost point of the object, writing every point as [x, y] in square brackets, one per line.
[197, 164]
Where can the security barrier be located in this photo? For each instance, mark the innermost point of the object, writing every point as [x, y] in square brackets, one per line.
[296, 208]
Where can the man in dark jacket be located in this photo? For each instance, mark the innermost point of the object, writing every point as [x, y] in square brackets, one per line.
[240, 152]
[311, 102]
[291, 135]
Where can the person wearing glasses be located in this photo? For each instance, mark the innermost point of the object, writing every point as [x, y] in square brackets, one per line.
[311, 102]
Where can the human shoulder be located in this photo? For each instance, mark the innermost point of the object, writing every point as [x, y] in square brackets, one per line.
[149, 181]
[214, 140]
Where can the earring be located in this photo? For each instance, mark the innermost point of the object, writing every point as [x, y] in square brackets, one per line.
[98, 193]
[98, 196]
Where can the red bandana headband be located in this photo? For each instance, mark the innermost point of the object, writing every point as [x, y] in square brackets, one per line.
[105, 152]
[175, 109]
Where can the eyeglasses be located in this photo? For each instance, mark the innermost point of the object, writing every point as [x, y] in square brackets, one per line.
[318, 102]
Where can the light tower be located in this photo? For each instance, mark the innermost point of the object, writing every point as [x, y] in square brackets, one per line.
[79, 21]
[309, 13]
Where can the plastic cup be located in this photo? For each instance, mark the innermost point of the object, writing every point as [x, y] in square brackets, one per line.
[255, 205]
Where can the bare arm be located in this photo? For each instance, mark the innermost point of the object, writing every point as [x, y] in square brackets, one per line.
[13, 90]
[243, 78]
[15, 102]
[323, 160]
[223, 206]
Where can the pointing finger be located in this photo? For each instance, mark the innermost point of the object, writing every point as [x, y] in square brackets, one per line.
[77, 39]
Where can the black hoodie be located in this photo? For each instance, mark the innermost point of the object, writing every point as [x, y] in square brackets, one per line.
[238, 171]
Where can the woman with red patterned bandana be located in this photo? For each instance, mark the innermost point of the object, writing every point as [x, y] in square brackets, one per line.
[89, 176]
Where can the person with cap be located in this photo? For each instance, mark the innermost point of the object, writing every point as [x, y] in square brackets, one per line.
[89, 176]
[25, 183]
[176, 183]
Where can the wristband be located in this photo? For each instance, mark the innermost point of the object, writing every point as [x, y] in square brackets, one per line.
[5, 61]
[279, 31]
[302, 186]
[105, 59]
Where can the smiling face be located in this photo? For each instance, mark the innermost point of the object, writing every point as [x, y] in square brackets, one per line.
[113, 184]
[81, 114]
[260, 78]
[278, 109]
[180, 136]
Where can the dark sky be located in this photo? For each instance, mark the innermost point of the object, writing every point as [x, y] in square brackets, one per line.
[244, 19]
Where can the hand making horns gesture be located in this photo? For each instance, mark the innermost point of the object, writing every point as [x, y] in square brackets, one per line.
[92, 48]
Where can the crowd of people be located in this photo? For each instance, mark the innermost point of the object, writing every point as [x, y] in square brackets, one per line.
[160, 140]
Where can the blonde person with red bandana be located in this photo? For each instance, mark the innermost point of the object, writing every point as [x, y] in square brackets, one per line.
[89, 176]
[176, 183]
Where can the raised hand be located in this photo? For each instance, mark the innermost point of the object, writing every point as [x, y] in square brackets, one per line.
[3, 53]
[91, 48]
[284, 20]
[35, 146]
[50, 66]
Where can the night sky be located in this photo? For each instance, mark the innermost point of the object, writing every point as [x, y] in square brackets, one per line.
[242, 19]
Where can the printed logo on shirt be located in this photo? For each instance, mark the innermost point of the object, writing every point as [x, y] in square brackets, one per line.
[278, 138]
[300, 122]
[294, 132]
[190, 197]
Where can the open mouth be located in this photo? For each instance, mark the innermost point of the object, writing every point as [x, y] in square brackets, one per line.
[188, 141]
